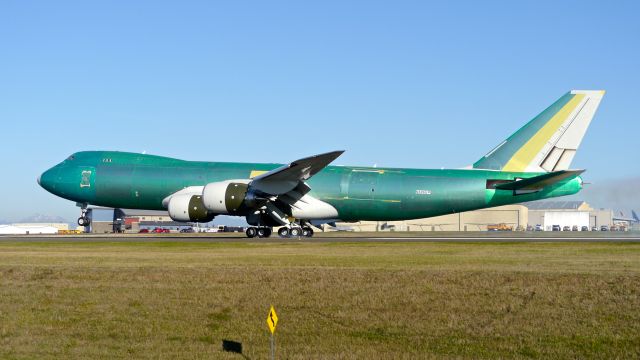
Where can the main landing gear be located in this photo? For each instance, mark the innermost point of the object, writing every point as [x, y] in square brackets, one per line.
[261, 232]
[283, 232]
[295, 231]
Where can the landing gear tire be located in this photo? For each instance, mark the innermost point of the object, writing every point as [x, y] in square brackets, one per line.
[83, 220]
[264, 232]
[283, 232]
[251, 232]
[295, 232]
[307, 231]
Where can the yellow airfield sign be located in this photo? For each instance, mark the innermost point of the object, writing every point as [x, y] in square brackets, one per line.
[272, 320]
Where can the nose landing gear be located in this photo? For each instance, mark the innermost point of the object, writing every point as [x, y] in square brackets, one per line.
[83, 220]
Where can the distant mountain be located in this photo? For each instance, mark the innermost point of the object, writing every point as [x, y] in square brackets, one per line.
[41, 218]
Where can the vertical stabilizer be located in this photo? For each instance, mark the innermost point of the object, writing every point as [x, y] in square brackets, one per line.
[549, 141]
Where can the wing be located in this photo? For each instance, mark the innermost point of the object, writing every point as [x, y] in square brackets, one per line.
[286, 178]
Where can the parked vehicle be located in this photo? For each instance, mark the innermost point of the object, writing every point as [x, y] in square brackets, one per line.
[574, 228]
[234, 229]
[566, 228]
[187, 230]
[584, 228]
[594, 228]
[143, 231]
[499, 227]
[604, 228]
[555, 228]
[539, 227]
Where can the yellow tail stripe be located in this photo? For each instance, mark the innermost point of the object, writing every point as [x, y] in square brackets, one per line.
[525, 155]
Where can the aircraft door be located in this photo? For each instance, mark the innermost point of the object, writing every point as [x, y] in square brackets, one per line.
[363, 184]
[362, 193]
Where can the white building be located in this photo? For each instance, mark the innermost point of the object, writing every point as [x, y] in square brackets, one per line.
[59, 226]
[27, 230]
[567, 213]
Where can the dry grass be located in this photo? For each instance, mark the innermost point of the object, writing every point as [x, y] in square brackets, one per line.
[382, 300]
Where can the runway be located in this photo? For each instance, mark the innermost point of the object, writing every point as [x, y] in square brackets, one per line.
[449, 237]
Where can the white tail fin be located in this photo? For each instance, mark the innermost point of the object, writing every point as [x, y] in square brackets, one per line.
[549, 141]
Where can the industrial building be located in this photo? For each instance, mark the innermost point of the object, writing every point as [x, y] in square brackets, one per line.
[514, 217]
[107, 220]
[59, 226]
[510, 217]
[32, 229]
[568, 213]
[527, 216]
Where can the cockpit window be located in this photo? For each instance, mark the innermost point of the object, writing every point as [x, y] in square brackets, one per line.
[72, 157]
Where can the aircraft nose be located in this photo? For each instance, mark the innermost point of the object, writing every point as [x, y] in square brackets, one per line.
[47, 178]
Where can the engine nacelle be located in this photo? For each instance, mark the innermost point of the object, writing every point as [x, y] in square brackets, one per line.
[226, 197]
[188, 207]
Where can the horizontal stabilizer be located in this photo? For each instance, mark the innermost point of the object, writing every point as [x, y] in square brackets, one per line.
[540, 181]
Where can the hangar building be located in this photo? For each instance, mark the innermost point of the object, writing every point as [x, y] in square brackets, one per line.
[567, 213]
[107, 220]
[509, 217]
[513, 216]
[27, 230]
[59, 226]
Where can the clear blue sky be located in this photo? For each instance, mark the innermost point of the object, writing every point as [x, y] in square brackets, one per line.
[400, 83]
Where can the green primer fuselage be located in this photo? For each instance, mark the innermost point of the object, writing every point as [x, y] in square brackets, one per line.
[139, 181]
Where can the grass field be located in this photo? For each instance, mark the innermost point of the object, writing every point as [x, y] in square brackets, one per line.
[149, 299]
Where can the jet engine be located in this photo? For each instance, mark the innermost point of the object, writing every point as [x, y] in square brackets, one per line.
[189, 207]
[228, 197]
